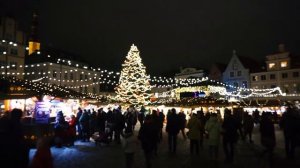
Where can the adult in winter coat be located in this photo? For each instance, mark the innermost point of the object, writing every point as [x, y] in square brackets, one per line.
[194, 133]
[182, 123]
[85, 126]
[248, 125]
[290, 123]
[230, 127]
[213, 129]
[79, 130]
[72, 130]
[148, 137]
[172, 129]
[101, 117]
[267, 132]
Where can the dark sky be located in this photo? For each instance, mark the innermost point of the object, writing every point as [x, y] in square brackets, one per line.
[169, 33]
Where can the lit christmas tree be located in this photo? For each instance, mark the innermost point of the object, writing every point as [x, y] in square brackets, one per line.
[134, 86]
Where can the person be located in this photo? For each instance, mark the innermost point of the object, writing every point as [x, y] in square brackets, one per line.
[15, 151]
[213, 129]
[148, 137]
[79, 130]
[156, 126]
[288, 124]
[129, 120]
[101, 117]
[129, 145]
[61, 130]
[161, 117]
[93, 122]
[267, 132]
[172, 129]
[194, 133]
[202, 119]
[230, 136]
[72, 130]
[42, 157]
[182, 123]
[248, 125]
[84, 122]
[141, 115]
[119, 124]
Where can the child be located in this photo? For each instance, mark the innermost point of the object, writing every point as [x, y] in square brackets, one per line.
[129, 145]
[42, 157]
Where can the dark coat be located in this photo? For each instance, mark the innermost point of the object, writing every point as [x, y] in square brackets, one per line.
[267, 132]
[173, 123]
[148, 136]
[230, 127]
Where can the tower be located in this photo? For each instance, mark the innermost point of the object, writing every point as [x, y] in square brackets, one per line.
[34, 43]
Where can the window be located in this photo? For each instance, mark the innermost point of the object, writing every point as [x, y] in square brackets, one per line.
[295, 74]
[81, 77]
[283, 64]
[263, 77]
[273, 86]
[85, 89]
[80, 89]
[272, 65]
[239, 73]
[94, 90]
[41, 75]
[94, 79]
[85, 76]
[272, 76]
[14, 52]
[231, 74]
[71, 76]
[254, 78]
[54, 74]
[284, 75]
[66, 76]
[245, 84]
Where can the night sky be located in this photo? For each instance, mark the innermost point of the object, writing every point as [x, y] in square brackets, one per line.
[169, 33]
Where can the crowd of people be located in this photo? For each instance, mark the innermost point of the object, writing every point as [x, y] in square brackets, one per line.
[115, 123]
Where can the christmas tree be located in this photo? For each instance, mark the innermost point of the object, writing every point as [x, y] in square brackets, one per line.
[134, 86]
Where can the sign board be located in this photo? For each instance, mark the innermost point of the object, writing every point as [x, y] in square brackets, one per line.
[42, 112]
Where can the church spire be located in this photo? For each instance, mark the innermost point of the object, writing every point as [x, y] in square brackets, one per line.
[34, 42]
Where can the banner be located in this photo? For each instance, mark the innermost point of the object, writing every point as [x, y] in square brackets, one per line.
[42, 112]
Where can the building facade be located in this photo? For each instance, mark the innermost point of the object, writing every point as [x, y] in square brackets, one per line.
[68, 73]
[282, 70]
[12, 48]
[237, 72]
[190, 73]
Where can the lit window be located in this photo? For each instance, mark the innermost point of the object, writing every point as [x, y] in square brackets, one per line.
[254, 78]
[272, 65]
[54, 73]
[283, 64]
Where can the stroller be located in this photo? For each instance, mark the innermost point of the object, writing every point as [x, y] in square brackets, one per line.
[102, 138]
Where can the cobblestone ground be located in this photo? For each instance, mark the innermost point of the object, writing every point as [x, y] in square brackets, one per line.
[87, 155]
